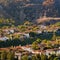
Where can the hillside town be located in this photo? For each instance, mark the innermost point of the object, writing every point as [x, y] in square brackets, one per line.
[30, 40]
[29, 29]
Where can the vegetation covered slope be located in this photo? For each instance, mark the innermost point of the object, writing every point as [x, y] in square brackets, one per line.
[21, 10]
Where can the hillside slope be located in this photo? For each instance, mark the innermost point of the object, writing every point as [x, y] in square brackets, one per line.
[22, 10]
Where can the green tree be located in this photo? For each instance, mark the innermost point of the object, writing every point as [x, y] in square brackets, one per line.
[35, 45]
[51, 57]
[27, 23]
[54, 36]
[44, 57]
[3, 55]
[38, 57]
[56, 58]
[49, 44]
[25, 57]
[34, 58]
[44, 41]
[32, 34]
[10, 56]
[38, 40]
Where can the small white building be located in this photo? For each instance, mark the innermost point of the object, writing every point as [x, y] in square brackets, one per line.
[39, 32]
[4, 38]
[11, 31]
[18, 55]
[42, 26]
[58, 52]
[27, 35]
[49, 52]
